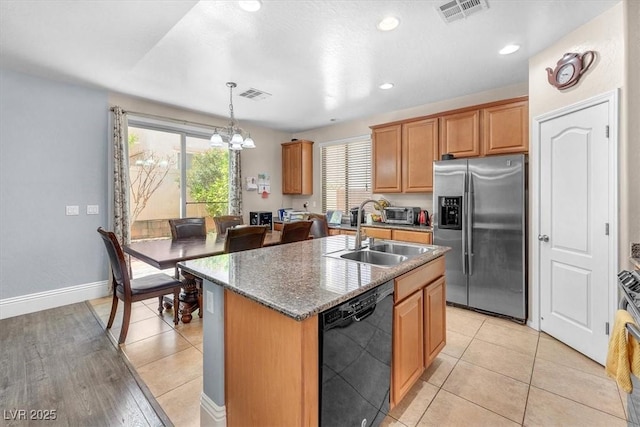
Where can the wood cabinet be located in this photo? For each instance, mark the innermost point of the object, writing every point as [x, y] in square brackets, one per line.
[403, 155]
[435, 316]
[378, 233]
[297, 167]
[408, 332]
[460, 134]
[386, 159]
[412, 236]
[419, 328]
[506, 128]
[419, 151]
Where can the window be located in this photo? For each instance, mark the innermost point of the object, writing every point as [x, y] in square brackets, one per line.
[173, 173]
[346, 174]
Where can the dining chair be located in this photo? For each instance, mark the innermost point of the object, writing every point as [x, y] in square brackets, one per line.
[131, 290]
[320, 227]
[245, 238]
[225, 221]
[295, 231]
[187, 228]
[183, 228]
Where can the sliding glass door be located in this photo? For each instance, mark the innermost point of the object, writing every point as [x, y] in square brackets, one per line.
[173, 173]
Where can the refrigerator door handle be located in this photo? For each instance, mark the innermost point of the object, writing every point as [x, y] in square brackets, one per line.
[470, 224]
[465, 199]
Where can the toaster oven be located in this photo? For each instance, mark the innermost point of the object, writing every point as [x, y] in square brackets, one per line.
[399, 215]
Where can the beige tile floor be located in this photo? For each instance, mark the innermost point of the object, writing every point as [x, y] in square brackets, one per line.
[492, 372]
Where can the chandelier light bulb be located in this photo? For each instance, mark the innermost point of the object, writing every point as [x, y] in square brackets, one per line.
[216, 140]
[248, 142]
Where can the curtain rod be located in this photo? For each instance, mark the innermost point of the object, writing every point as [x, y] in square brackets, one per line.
[169, 119]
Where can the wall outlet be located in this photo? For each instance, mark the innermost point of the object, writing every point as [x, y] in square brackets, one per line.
[209, 303]
[93, 209]
[73, 210]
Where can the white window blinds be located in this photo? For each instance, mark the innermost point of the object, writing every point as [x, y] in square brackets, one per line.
[346, 174]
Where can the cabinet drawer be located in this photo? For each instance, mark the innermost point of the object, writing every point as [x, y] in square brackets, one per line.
[417, 279]
[412, 236]
[380, 233]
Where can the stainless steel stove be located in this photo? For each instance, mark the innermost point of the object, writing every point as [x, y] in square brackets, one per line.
[629, 284]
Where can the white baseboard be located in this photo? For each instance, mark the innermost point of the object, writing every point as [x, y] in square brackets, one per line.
[24, 304]
[211, 415]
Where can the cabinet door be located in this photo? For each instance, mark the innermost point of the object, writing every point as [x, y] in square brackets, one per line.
[386, 159]
[412, 236]
[506, 128]
[419, 150]
[408, 333]
[435, 312]
[460, 134]
[380, 233]
[297, 167]
[291, 169]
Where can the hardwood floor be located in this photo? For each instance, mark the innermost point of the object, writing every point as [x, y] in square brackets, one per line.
[59, 364]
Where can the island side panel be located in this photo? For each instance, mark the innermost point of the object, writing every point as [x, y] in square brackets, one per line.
[271, 366]
[213, 348]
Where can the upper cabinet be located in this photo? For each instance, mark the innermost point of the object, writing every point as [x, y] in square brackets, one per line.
[460, 134]
[386, 158]
[506, 128]
[297, 167]
[403, 155]
[419, 151]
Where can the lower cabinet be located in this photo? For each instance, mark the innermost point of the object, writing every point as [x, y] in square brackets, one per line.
[412, 236]
[408, 333]
[378, 233]
[435, 315]
[419, 325]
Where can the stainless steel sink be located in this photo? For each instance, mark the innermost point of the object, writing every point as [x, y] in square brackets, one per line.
[398, 249]
[375, 258]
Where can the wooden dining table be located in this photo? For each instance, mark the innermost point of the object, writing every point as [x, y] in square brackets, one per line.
[167, 253]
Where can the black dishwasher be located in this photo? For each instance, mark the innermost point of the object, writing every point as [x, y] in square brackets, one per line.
[355, 359]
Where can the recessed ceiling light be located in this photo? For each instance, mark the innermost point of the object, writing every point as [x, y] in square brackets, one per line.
[510, 48]
[386, 86]
[250, 6]
[389, 23]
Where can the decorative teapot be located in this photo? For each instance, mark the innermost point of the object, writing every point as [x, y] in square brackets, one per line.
[569, 69]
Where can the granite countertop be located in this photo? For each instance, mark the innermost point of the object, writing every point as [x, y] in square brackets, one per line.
[296, 279]
[422, 228]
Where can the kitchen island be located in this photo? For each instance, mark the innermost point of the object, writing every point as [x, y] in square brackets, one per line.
[260, 329]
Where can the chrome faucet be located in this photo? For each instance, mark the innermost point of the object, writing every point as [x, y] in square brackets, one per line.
[359, 223]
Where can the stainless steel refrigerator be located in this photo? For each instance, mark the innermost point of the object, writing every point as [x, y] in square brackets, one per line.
[480, 212]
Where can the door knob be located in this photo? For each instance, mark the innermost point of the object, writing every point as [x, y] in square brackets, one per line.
[543, 237]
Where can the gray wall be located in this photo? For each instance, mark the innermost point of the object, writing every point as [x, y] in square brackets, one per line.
[53, 153]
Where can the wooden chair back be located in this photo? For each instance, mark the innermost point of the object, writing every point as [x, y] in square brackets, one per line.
[184, 228]
[295, 231]
[121, 279]
[225, 221]
[245, 238]
[320, 227]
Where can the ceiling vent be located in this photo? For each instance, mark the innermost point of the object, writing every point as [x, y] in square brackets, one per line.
[458, 9]
[255, 94]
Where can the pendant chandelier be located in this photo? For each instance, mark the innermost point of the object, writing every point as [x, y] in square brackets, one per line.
[231, 137]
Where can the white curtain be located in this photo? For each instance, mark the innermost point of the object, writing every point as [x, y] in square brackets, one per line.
[235, 183]
[121, 220]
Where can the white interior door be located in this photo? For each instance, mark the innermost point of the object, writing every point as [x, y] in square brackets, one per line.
[574, 241]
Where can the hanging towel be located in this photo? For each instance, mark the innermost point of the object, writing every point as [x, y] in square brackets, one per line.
[623, 357]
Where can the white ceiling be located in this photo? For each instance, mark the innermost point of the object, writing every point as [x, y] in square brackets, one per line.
[320, 60]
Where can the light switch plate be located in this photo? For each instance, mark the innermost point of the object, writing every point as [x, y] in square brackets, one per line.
[73, 210]
[93, 209]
